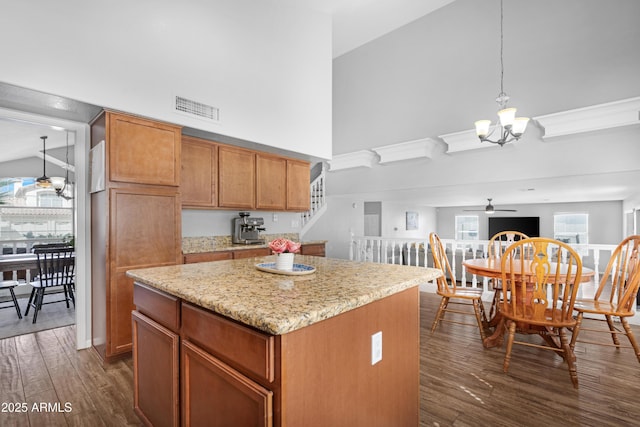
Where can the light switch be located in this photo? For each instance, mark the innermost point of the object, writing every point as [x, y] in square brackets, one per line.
[376, 347]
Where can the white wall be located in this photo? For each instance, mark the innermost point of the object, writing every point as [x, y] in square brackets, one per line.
[343, 216]
[605, 219]
[266, 65]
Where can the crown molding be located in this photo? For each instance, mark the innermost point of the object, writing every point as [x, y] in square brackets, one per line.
[406, 150]
[357, 159]
[463, 141]
[597, 117]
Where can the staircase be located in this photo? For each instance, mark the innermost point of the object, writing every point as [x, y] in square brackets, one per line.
[318, 200]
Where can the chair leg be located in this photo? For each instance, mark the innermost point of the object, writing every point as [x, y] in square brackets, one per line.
[478, 309]
[440, 314]
[38, 303]
[507, 355]
[612, 329]
[15, 303]
[33, 292]
[66, 295]
[576, 331]
[569, 356]
[632, 338]
[71, 295]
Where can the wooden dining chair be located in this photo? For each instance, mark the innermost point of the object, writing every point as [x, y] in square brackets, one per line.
[615, 297]
[451, 293]
[497, 245]
[56, 267]
[542, 292]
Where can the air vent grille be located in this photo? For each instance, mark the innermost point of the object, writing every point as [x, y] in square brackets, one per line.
[187, 106]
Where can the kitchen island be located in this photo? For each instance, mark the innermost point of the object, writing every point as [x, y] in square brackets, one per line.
[222, 343]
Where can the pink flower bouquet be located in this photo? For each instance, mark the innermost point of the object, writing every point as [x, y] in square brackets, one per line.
[281, 245]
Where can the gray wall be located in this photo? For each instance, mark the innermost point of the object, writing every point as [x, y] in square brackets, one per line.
[605, 219]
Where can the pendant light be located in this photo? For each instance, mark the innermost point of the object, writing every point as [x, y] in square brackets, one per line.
[44, 181]
[510, 128]
[59, 183]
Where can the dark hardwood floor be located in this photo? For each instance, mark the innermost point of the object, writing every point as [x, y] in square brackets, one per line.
[44, 381]
[462, 384]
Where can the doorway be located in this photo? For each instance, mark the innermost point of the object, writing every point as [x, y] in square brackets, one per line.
[79, 138]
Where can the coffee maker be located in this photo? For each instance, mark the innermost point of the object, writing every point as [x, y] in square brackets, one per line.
[246, 230]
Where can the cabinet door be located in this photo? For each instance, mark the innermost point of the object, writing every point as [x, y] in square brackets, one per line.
[143, 151]
[298, 185]
[216, 395]
[155, 372]
[198, 182]
[236, 177]
[144, 231]
[271, 182]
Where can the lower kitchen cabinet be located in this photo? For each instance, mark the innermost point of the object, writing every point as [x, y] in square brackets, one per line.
[155, 372]
[216, 395]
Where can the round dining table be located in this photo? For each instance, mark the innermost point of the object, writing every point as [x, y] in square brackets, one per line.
[491, 268]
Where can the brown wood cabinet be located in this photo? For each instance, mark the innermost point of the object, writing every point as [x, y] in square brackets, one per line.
[298, 185]
[199, 180]
[142, 151]
[232, 374]
[216, 175]
[136, 221]
[271, 182]
[156, 364]
[236, 177]
[316, 249]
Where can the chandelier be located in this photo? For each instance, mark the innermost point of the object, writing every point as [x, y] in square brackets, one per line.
[511, 127]
[60, 184]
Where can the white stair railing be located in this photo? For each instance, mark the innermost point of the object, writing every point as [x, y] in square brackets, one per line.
[415, 252]
[318, 199]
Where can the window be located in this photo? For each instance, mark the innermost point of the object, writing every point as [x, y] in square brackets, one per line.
[29, 214]
[571, 228]
[467, 227]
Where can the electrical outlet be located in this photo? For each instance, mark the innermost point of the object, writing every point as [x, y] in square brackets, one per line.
[275, 218]
[295, 223]
[376, 347]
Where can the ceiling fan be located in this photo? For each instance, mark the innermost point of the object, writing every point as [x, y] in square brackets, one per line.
[489, 209]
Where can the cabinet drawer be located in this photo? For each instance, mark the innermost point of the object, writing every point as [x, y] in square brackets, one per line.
[313, 249]
[207, 256]
[250, 253]
[245, 349]
[161, 307]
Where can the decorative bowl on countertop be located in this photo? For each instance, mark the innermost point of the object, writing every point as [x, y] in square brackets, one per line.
[297, 270]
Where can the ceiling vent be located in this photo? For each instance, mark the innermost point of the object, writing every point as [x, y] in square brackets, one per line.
[197, 109]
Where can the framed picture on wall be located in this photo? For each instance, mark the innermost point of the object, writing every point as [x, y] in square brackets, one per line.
[412, 220]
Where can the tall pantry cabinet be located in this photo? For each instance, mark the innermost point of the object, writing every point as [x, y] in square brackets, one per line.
[135, 219]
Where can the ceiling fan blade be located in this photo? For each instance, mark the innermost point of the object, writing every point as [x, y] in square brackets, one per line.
[505, 210]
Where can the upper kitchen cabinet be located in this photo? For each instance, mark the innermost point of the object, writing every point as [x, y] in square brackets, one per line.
[221, 176]
[142, 151]
[271, 182]
[298, 185]
[236, 177]
[199, 179]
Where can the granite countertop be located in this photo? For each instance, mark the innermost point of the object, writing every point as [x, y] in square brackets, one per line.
[276, 303]
[192, 245]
